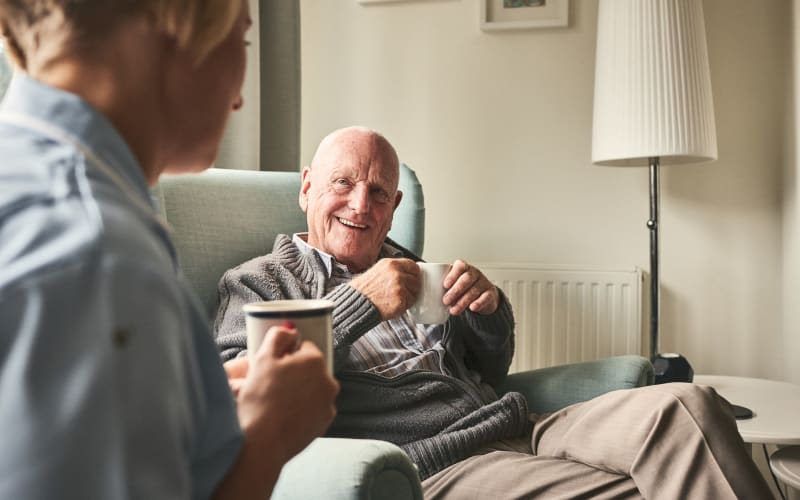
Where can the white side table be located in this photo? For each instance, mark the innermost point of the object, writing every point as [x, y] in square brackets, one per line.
[775, 406]
[785, 463]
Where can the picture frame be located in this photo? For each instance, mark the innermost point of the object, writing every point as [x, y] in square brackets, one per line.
[523, 14]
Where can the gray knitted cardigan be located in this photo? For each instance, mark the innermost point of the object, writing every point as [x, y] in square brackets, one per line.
[436, 419]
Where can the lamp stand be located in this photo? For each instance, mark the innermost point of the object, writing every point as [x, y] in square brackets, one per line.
[669, 367]
[655, 277]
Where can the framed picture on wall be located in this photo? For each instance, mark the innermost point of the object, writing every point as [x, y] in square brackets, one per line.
[523, 14]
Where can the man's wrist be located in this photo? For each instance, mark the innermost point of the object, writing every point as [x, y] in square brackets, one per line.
[353, 314]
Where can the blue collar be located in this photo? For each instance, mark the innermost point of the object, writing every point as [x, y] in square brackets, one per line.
[72, 115]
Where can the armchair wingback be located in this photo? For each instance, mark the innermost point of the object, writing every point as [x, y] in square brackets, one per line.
[221, 218]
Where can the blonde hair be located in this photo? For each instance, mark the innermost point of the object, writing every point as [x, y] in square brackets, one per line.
[196, 25]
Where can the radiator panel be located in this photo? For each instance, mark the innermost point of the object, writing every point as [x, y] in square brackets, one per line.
[567, 315]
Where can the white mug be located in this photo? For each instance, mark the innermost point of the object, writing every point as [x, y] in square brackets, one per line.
[429, 309]
[312, 318]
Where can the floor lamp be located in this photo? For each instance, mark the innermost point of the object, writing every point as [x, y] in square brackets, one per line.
[653, 106]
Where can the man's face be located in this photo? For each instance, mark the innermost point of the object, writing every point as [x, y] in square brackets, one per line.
[349, 195]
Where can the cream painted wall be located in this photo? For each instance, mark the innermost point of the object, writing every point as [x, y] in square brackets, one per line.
[498, 127]
[791, 210]
[239, 148]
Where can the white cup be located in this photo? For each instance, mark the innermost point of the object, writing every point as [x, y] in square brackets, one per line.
[429, 309]
[312, 318]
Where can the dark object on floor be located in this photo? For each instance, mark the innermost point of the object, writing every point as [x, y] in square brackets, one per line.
[742, 413]
[672, 367]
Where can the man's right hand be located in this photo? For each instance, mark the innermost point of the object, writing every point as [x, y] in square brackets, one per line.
[392, 285]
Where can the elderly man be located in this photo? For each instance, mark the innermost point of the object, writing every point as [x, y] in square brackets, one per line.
[429, 388]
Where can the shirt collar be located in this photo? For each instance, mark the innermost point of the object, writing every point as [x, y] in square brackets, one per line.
[299, 239]
[77, 118]
[301, 242]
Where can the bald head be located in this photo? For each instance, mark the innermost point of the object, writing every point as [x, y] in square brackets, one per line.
[349, 194]
[357, 140]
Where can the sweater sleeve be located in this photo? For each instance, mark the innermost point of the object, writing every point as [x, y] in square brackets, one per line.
[489, 340]
[238, 287]
[353, 316]
[269, 278]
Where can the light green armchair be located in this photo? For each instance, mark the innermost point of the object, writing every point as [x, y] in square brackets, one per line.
[221, 218]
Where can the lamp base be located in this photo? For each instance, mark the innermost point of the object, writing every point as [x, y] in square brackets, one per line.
[672, 367]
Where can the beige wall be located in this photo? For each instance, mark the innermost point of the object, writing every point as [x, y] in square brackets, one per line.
[791, 210]
[239, 148]
[498, 127]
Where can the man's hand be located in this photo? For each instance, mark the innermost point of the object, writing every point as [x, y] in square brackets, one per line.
[285, 395]
[468, 288]
[391, 285]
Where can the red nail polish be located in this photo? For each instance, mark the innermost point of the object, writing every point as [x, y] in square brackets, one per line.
[289, 325]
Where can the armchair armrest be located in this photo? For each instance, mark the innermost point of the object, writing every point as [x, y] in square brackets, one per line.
[343, 469]
[550, 389]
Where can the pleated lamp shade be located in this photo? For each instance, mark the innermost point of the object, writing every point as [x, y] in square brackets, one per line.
[652, 94]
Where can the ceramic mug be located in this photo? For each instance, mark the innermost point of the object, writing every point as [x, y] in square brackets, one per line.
[312, 318]
[429, 308]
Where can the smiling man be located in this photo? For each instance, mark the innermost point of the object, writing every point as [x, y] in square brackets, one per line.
[431, 388]
[349, 194]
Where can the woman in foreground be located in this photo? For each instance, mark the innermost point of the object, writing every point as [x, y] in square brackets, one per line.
[110, 383]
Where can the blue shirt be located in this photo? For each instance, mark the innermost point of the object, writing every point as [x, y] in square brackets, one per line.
[110, 383]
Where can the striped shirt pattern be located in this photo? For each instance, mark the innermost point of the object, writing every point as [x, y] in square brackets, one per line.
[393, 347]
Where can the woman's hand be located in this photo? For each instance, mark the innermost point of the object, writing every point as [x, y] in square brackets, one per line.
[285, 395]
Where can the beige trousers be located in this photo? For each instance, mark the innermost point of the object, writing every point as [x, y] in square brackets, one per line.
[669, 441]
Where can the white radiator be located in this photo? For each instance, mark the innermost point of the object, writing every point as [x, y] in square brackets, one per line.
[567, 315]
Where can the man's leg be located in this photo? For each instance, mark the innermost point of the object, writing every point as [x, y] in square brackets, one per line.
[674, 440]
[507, 475]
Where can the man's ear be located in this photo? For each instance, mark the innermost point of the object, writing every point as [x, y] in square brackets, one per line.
[397, 198]
[305, 184]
